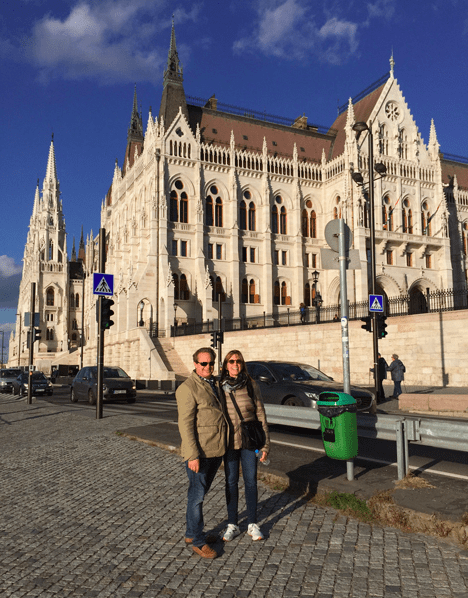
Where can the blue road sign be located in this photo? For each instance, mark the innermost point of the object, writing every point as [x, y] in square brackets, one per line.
[103, 284]
[376, 303]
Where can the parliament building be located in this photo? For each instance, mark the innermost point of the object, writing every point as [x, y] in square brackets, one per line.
[215, 202]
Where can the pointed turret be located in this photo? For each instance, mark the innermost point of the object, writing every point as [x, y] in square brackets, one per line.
[135, 137]
[81, 249]
[73, 255]
[173, 96]
[433, 146]
[51, 172]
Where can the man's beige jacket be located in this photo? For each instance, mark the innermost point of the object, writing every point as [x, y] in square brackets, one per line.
[202, 421]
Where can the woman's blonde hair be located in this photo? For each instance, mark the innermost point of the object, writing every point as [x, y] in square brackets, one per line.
[224, 373]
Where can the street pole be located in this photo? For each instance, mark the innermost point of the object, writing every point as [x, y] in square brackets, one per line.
[82, 320]
[372, 248]
[100, 355]
[220, 332]
[31, 341]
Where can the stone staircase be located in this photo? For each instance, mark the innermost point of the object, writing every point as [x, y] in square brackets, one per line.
[171, 358]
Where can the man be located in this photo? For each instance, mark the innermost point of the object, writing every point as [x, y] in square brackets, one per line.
[382, 369]
[203, 429]
[398, 374]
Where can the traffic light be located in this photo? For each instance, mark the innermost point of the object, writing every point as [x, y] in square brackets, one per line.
[220, 337]
[214, 340]
[37, 334]
[367, 323]
[381, 326]
[106, 313]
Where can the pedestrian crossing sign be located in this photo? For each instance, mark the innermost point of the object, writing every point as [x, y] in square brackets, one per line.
[376, 303]
[103, 284]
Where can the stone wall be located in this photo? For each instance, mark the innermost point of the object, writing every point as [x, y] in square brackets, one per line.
[434, 347]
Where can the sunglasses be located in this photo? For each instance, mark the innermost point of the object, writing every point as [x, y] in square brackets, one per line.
[239, 361]
[205, 363]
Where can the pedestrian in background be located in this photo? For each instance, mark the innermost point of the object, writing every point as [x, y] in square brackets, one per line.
[397, 370]
[236, 383]
[203, 429]
[382, 369]
[302, 309]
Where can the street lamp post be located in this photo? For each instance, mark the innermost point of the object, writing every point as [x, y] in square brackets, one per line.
[381, 169]
[175, 319]
[317, 300]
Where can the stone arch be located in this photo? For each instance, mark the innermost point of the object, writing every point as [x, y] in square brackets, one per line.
[144, 312]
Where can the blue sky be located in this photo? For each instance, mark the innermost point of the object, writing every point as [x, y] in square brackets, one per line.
[69, 68]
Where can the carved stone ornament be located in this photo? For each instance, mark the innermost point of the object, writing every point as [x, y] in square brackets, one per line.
[169, 279]
[207, 278]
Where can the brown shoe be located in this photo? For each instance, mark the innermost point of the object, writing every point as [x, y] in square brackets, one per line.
[210, 539]
[205, 551]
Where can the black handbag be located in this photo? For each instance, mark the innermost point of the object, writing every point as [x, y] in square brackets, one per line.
[252, 432]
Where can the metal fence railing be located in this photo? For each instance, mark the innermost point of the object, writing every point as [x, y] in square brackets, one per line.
[403, 305]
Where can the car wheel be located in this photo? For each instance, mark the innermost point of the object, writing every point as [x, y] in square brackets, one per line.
[131, 400]
[73, 397]
[91, 398]
[293, 402]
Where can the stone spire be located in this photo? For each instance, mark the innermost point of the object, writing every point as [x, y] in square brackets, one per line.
[433, 143]
[392, 65]
[173, 96]
[81, 249]
[73, 254]
[135, 137]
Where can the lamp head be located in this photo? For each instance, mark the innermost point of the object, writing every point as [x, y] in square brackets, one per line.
[357, 178]
[360, 126]
[380, 168]
[315, 275]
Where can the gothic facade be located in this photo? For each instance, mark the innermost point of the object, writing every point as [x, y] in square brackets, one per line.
[213, 202]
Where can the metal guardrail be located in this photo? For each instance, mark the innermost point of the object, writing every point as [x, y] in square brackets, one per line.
[447, 434]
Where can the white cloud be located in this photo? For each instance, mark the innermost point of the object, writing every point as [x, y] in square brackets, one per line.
[289, 29]
[110, 40]
[10, 277]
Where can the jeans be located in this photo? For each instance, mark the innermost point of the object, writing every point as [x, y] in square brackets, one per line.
[232, 459]
[199, 484]
[396, 388]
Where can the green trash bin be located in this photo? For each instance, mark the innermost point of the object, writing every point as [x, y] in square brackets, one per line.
[339, 424]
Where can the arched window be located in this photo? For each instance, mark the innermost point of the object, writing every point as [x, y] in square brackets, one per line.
[75, 325]
[219, 212]
[335, 213]
[284, 294]
[49, 334]
[274, 219]
[183, 207]
[50, 296]
[243, 215]
[276, 293]
[313, 225]
[184, 289]
[72, 300]
[77, 300]
[175, 280]
[252, 218]
[283, 221]
[307, 294]
[465, 237]
[252, 295]
[209, 211]
[407, 217]
[403, 139]
[244, 291]
[218, 290]
[51, 250]
[383, 140]
[387, 214]
[178, 208]
[305, 223]
[174, 207]
[73, 337]
[426, 228]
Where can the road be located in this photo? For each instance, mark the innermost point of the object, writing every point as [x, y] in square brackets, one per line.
[163, 408]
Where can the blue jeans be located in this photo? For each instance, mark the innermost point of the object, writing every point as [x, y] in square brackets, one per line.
[396, 388]
[199, 484]
[232, 459]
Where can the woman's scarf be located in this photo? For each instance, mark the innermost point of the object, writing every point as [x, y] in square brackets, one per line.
[229, 384]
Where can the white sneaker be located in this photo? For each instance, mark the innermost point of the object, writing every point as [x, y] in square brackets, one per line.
[254, 531]
[231, 532]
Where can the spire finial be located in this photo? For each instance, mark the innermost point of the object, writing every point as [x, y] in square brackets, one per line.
[392, 64]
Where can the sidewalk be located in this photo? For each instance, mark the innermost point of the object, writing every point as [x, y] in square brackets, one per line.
[88, 513]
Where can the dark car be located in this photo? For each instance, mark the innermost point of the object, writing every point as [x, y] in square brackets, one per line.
[40, 384]
[286, 383]
[116, 385]
[7, 378]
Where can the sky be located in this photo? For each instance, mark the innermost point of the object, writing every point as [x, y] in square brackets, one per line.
[69, 68]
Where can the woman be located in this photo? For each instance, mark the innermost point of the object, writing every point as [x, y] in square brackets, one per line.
[236, 381]
[398, 375]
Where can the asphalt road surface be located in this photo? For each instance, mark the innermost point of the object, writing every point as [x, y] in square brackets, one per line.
[163, 408]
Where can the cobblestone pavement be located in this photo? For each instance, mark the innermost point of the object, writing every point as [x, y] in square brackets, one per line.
[85, 512]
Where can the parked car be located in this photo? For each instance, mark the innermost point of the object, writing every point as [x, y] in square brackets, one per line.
[40, 384]
[116, 385]
[6, 379]
[286, 383]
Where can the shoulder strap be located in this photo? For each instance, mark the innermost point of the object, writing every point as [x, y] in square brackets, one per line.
[235, 405]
